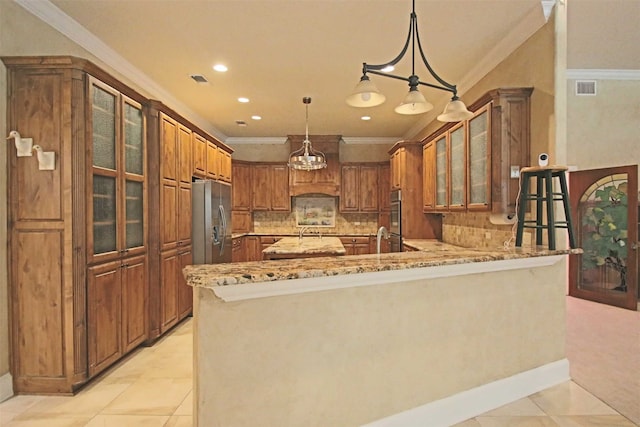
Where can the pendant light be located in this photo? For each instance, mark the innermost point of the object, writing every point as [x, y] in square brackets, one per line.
[306, 158]
[366, 94]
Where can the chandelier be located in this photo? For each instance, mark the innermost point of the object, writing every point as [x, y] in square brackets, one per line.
[366, 94]
[306, 158]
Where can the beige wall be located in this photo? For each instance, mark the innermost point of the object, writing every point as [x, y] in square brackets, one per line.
[604, 130]
[352, 355]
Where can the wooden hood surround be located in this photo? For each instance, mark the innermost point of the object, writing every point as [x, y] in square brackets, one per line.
[322, 181]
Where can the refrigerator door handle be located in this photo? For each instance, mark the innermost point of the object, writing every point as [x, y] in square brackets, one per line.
[223, 220]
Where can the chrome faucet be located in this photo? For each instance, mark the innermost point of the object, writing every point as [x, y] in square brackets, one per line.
[382, 231]
[301, 232]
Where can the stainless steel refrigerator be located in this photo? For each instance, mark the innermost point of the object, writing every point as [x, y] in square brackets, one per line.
[211, 222]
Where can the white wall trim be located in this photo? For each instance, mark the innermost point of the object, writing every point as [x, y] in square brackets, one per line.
[471, 403]
[256, 140]
[601, 74]
[56, 18]
[247, 291]
[6, 387]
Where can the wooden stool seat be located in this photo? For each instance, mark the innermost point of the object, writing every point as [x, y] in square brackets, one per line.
[544, 194]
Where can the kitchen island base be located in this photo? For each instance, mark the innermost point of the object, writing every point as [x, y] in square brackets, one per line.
[373, 352]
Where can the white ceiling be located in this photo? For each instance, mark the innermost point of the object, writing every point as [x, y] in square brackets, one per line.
[279, 51]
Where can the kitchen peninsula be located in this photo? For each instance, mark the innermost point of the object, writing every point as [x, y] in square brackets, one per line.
[429, 337]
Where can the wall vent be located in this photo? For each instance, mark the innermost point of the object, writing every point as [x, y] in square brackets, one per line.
[199, 78]
[241, 123]
[586, 87]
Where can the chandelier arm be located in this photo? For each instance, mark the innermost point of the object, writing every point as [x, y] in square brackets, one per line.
[448, 86]
[370, 67]
[407, 79]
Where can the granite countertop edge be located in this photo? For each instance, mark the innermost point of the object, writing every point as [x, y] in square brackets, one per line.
[212, 275]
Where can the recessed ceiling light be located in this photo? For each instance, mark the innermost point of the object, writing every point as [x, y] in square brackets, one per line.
[365, 118]
[220, 68]
[388, 68]
[243, 100]
[256, 117]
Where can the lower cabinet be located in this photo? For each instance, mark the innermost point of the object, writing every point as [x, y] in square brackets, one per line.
[116, 302]
[356, 245]
[176, 297]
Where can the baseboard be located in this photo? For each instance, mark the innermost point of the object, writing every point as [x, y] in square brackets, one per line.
[6, 387]
[471, 403]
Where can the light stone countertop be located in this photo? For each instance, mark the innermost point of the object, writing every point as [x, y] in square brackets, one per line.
[306, 246]
[432, 253]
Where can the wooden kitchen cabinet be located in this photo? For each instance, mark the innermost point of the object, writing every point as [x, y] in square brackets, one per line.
[238, 253]
[406, 174]
[429, 171]
[89, 214]
[224, 162]
[199, 151]
[384, 187]
[269, 182]
[116, 295]
[474, 158]
[241, 189]
[359, 245]
[359, 188]
[171, 140]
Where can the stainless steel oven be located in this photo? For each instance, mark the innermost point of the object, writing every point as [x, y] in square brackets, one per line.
[395, 222]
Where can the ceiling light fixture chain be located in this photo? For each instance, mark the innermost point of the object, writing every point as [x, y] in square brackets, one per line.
[306, 158]
[366, 94]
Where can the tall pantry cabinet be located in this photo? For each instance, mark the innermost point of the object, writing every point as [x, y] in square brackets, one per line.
[78, 233]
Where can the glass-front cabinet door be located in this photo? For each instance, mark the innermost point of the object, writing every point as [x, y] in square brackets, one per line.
[458, 167]
[441, 173]
[478, 189]
[116, 211]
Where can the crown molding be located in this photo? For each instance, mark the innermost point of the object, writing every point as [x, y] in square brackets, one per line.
[364, 140]
[256, 140]
[63, 23]
[602, 74]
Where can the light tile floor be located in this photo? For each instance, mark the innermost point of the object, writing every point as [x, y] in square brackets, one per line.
[153, 387]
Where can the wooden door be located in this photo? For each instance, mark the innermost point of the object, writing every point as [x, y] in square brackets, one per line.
[185, 166]
[261, 187]
[604, 206]
[384, 187]
[213, 164]
[169, 147]
[134, 302]
[349, 187]
[170, 267]
[199, 152]
[280, 199]
[104, 310]
[185, 292]
[429, 177]
[184, 215]
[368, 188]
[241, 188]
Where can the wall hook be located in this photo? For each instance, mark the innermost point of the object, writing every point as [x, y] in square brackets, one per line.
[23, 145]
[46, 159]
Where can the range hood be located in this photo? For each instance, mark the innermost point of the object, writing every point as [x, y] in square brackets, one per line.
[321, 181]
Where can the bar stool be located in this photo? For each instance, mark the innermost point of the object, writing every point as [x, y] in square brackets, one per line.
[544, 194]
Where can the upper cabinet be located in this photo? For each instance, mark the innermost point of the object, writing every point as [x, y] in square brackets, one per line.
[269, 182]
[467, 165]
[359, 191]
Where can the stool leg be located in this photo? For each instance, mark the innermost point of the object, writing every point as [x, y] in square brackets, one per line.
[567, 209]
[522, 207]
[551, 221]
[540, 178]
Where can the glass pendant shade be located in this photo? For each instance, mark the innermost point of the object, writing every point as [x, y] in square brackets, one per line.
[306, 158]
[414, 103]
[365, 94]
[455, 111]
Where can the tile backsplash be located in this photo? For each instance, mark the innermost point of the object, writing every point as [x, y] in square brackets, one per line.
[285, 223]
[475, 230]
